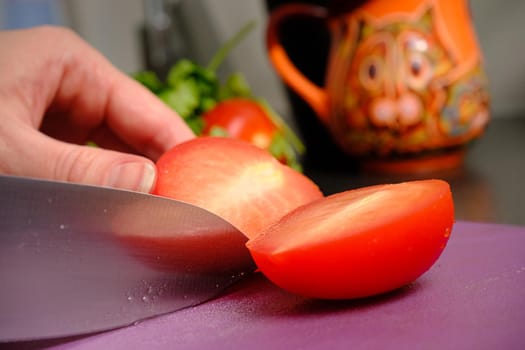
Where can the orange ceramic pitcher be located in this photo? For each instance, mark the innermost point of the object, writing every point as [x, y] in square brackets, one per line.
[404, 78]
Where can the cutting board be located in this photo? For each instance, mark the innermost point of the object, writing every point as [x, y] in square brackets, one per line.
[472, 298]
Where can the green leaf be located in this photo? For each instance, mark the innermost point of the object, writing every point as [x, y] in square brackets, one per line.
[288, 133]
[207, 82]
[225, 49]
[207, 104]
[91, 144]
[235, 86]
[196, 124]
[180, 71]
[217, 131]
[184, 98]
[150, 80]
[281, 149]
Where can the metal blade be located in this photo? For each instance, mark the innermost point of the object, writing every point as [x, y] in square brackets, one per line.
[78, 259]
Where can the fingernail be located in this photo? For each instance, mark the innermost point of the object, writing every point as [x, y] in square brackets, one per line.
[132, 176]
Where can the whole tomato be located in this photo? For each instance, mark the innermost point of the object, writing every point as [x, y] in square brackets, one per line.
[240, 118]
[253, 121]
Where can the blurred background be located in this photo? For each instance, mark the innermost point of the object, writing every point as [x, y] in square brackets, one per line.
[139, 34]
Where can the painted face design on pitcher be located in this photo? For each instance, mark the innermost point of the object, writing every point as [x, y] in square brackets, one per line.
[391, 73]
[404, 78]
[403, 92]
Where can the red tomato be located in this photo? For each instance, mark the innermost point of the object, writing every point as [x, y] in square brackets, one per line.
[241, 118]
[233, 179]
[358, 243]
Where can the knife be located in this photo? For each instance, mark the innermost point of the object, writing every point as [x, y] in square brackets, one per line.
[77, 259]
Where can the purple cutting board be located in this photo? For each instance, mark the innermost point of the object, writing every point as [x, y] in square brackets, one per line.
[472, 298]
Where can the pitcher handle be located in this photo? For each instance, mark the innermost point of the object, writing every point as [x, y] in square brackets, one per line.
[314, 95]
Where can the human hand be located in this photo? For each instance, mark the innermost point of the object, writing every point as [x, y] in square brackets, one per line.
[57, 93]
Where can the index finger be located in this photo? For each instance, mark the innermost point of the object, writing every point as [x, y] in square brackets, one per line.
[92, 92]
[142, 119]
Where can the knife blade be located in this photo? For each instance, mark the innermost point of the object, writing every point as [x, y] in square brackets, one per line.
[77, 259]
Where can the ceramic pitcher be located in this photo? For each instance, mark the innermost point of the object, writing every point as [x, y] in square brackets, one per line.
[404, 78]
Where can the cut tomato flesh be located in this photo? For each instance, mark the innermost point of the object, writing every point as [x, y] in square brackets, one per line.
[358, 243]
[238, 181]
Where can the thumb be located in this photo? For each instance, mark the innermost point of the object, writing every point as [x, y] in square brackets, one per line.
[91, 165]
[45, 157]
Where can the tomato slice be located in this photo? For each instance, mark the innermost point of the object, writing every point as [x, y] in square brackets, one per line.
[234, 179]
[358, 243]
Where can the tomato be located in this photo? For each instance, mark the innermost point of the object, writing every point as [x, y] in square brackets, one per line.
[358, 243]
[234, 179]
[254, 121]
[241, 118]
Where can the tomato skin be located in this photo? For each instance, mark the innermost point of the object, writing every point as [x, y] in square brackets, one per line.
[243, 119]
[234, 179]
[358, 243]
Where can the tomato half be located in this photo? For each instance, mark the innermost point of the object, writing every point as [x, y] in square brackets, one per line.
[358, 243]
[235, 180]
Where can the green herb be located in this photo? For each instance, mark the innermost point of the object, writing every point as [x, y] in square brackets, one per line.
[223, 52]
[218, 131]
[191, 90]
